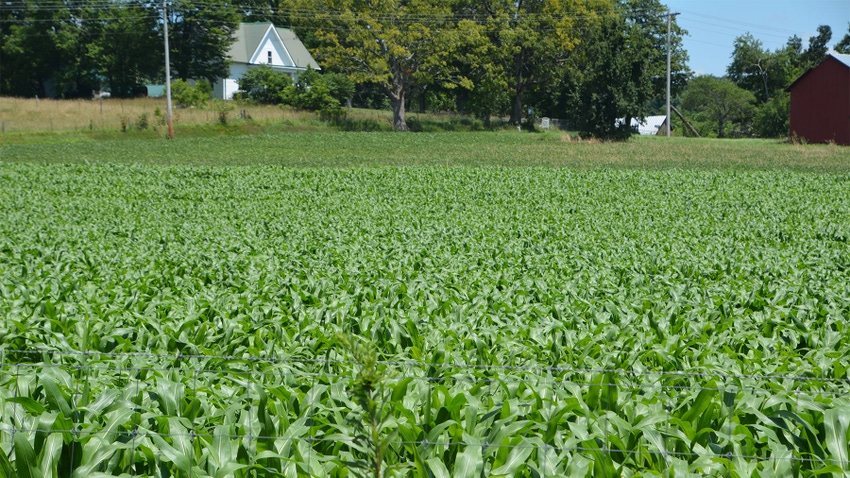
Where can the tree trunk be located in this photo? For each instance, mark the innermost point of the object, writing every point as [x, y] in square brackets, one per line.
[516, 115]
[423, 100]
[397, 91]
[460, 102]
[397, 100]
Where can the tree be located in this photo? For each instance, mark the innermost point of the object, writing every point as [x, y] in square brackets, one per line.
[764, 73]
[340, 87]
[772, 119]
[843, 46]
[66, 49]
[818, 48]
[532, 41]
[602, 93]
[43, 51]
[622, 66]
[720, 100]
[478, 85]
[200, 38]
[123, 47]
[392, 43]
[751, 63]
[311, 92]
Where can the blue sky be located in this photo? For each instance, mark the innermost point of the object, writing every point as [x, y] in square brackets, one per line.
[713, 25]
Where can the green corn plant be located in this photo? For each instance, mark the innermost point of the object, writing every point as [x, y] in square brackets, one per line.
[369, 391]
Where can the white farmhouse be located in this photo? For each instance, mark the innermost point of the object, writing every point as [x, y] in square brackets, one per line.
[263, 44]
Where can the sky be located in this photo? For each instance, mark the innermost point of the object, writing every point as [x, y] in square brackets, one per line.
[713, 25]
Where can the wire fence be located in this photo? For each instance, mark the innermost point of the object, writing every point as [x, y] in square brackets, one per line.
[147, 411]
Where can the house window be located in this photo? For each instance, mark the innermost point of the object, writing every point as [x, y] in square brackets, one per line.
[270, 57]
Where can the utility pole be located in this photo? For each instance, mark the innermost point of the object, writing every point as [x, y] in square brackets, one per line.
[167, 71]
[669, 21]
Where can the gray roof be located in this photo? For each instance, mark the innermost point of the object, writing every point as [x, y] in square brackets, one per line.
[248, 38]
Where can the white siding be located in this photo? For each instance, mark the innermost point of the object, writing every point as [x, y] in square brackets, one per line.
[279, 55]
[226, 87]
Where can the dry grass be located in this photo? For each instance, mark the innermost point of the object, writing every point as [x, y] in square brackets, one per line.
[30, 115]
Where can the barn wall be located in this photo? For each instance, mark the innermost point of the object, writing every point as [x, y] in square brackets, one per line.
[820, 104]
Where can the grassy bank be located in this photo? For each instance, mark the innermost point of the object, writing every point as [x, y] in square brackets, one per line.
[502, 148]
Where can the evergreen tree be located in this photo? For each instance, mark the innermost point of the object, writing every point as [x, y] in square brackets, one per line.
[200, 38]
[126, 47]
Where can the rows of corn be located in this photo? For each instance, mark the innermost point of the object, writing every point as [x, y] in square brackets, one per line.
[442, 322]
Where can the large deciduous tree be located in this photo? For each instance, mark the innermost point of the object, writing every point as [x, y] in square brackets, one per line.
[719, 100]
[751, 64]
[392, 43]
[43, 50]
[532, 41]
[622, 65]
[66, 49]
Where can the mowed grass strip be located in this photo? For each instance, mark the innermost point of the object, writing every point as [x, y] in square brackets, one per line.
[509, 149]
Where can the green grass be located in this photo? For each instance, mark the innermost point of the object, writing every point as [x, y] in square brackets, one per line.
[511, 149]
[233, 306]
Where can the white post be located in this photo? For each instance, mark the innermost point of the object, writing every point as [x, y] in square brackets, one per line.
[167, 71]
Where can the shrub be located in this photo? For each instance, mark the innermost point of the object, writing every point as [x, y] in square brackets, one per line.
[772, 120]
[185, 95]
[142, 123]
[222, 109]
[340, 86]
[264, 85]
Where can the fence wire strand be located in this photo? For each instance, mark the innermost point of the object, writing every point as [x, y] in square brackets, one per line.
[249, 372]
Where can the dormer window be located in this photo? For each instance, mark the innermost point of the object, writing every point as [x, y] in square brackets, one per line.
[270, 57]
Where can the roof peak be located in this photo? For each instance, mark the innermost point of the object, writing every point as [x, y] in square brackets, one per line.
[842, 57]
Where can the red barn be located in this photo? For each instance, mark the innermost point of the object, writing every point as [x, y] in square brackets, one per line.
[820, 102]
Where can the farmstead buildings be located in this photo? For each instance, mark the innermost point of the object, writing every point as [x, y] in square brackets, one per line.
[263, 44]
[820, 102]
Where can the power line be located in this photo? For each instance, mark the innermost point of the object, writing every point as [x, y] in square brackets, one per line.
[754, 26]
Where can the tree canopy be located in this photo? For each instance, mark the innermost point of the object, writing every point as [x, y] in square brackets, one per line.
[622, 67]
[720, 101]
[596, 63]
[68, 49]
[392, 43]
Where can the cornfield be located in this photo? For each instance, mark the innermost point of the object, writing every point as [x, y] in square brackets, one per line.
[428, 321]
